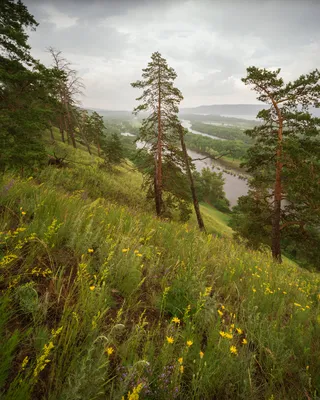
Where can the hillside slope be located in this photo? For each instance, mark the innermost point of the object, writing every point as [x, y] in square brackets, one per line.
[102, 300]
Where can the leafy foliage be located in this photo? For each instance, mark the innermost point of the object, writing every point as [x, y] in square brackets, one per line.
[210, 188]
[25, 86]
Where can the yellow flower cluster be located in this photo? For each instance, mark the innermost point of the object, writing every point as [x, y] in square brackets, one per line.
[8, 259]
[24, 363]
[42, 361]
[135, 393]
[40, 272]
[226, 335]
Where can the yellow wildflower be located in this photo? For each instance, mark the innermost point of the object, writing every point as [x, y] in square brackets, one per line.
[136, 251]
[228, 335]
[24, 362]
[244, 341]
[135, 392]
[90, 250]
[222, 334]
[125, 250]
[176, 320]
[56, 332]
[220, 313]
[297, 304]
[42, 361]
[92, 287]
[239, 331]
[23, 213]
[170, 339]
[233, 350]
[201, 354]
[189, 343]
[180, 360]
[109, 350]
[181, 369]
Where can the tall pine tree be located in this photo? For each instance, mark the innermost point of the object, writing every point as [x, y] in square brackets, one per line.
[284, 159]
[159, 130]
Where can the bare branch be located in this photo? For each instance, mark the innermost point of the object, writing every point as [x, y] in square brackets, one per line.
[211, 157]
[289, 223]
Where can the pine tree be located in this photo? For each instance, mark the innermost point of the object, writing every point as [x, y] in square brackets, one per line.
[68, 88]
[285, 156]
[112, 150]
[25, 91]
[84, 127]
[159, 130]
[97, 129]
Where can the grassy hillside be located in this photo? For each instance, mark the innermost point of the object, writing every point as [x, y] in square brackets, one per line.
[101, 300]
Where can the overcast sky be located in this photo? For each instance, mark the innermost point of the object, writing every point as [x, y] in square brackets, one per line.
[208, 43]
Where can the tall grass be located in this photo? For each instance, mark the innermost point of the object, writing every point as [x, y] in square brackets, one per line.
[100, 300]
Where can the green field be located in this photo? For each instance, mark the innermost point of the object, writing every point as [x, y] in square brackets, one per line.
[102, 300]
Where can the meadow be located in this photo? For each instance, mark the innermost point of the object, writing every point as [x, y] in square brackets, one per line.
[101, 300]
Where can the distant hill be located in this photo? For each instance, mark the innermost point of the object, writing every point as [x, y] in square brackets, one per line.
[225, 109]
[236, 110]
[113, 113]
[242, 111]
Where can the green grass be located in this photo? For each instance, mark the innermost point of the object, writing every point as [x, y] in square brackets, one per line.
[230, 162]
[216, 222]
[91, 281]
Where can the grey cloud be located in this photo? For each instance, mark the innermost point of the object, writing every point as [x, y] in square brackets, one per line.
[209, 43]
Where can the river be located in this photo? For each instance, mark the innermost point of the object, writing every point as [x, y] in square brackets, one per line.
[234, 187]
[187, 124]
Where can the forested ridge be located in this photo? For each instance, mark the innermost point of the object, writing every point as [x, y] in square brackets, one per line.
[124, 271]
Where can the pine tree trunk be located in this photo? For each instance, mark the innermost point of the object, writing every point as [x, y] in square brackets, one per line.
[51, 133]
[87, 143]
[158, 186]
[192, 187]
[61, 130]
[276, 235]
[70, 132]
[88, 147]
[276, 219]
[66, 129]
